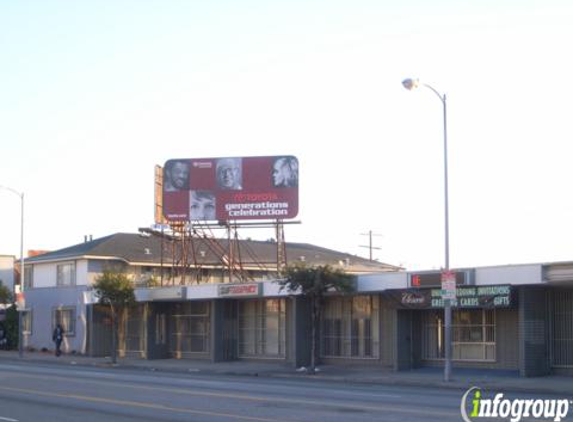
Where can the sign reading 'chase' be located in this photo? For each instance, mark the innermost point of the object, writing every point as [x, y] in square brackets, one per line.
[239, 290]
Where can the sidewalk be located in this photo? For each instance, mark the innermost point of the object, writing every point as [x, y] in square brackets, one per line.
[501, 381]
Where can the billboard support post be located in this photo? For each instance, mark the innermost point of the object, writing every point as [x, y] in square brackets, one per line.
[281, 247]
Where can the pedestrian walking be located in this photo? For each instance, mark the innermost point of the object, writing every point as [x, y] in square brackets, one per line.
[3, 340]
[58, 337]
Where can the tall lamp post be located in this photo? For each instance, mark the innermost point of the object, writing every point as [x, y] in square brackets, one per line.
[20, 327]
[411, 84]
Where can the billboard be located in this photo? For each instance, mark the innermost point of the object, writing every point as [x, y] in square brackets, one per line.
[230, 188]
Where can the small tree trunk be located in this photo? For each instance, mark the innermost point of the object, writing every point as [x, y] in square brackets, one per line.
[113, 337]
[313, 339]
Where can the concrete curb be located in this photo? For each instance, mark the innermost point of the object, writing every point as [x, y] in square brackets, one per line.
[527, 386]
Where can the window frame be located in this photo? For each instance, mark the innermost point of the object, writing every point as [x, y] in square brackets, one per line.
[60, 277]
[350, 328]
[189, 325]
[73, 311]
[433, 336]
[262, 328]
[28, 276]
[27, 315]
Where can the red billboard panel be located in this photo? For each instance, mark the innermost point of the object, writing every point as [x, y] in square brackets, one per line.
[221, 189]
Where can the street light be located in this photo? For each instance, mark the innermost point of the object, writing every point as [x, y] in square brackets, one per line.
[411, 84]
[20, 327]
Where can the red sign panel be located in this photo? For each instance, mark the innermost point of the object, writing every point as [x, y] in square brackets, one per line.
[449, 285]
[221, 189]
[252, 289]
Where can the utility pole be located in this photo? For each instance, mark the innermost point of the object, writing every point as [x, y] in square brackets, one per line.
[370, 246]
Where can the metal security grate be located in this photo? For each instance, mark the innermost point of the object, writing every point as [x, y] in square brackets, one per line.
[133, 331]
[262, 328]
[350, 327]
[563, 328]
[190, 328]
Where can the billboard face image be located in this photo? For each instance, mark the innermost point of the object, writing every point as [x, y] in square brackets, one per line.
[221, 189]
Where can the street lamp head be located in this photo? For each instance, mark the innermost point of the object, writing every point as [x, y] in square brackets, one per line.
[410, 83]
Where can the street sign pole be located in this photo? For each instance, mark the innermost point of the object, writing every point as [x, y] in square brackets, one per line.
[448, 295]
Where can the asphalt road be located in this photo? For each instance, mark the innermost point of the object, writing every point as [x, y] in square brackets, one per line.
[32, 392]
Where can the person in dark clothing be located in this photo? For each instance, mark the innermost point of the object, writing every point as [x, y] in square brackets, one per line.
[3, 340]
[58, 337]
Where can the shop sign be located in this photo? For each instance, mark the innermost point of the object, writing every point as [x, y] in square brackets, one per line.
[239, 290]
[448, 285]
[466, 297]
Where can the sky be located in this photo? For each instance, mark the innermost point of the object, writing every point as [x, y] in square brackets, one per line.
[94, 94]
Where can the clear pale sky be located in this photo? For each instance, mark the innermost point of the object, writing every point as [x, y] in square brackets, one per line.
[94, 94]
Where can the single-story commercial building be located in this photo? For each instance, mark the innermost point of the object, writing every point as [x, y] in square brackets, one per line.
[515, 317]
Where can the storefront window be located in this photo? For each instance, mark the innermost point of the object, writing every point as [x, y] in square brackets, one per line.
[134, 329]
[473, 335]
[350, 327]
[262, 328]
[190, 328]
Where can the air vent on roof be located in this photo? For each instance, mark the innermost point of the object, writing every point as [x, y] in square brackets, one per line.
[202, 253]
[302, 258]
[147, 251]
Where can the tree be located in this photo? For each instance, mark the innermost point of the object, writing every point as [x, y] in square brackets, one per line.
[314, 283]
[5, 294]
[115, 289]
[10, 324]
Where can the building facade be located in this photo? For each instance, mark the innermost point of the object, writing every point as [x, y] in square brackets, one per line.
[516, 317]
[203, 310]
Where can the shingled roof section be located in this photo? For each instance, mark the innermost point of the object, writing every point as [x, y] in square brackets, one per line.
[138, 248]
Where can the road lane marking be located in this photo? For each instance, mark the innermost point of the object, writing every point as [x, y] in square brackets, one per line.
[331, 404]
[255, 398]
[377, 395]
[139, 405]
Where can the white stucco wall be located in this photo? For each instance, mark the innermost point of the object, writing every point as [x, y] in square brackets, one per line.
[382, 281]
[82, 275]
[46, 275]
[511, 274]
[272, 289]
[43, 303]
